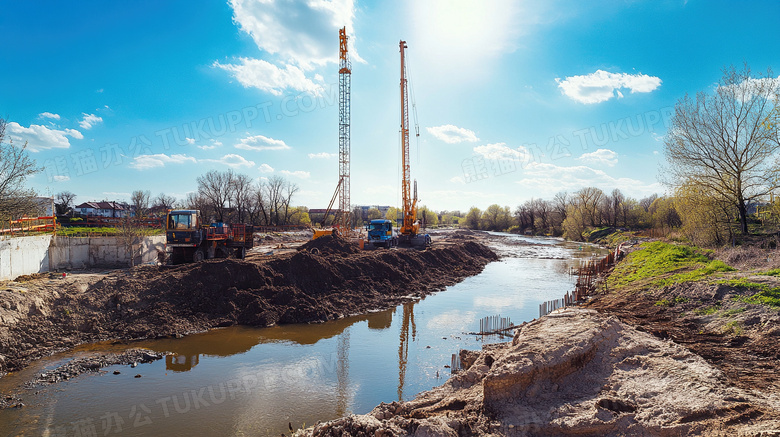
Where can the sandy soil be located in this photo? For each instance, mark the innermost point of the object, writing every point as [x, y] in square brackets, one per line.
[325, 279]
[574, 372]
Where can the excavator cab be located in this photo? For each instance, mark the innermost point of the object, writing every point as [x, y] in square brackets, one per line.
[182, 227]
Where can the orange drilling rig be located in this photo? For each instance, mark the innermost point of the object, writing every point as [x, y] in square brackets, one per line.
[409, 231]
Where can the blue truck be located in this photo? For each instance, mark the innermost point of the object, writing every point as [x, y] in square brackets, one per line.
[381, 234]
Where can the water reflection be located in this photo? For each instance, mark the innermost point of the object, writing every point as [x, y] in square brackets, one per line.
[403, 348]
[185, 352]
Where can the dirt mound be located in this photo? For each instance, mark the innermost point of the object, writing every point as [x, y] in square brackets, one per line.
[572, 373]
[331, 244]
[148, 301]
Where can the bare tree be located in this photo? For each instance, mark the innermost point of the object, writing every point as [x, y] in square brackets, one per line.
[216, 188]
[164, 201]
[289, 191]
[257, 206]
[279, 193]
[725, 143]
[198, 202]
[543, 210]
[15, 166]
[614, 206]
[589, 200]
[140, 201]
[131, 235]
[63, 202]
[242, 196]
[646, 202]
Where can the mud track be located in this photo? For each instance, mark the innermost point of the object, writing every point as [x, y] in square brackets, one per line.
[326, 279]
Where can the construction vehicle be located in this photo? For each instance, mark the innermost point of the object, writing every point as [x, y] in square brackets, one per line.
[409, 232]
[380, 234]
[189, 240]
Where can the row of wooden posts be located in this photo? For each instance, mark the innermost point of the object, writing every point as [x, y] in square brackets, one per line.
[585, 285]
[552, 305]
[587, 274]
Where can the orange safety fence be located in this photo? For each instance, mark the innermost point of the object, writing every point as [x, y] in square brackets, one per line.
[29, 225]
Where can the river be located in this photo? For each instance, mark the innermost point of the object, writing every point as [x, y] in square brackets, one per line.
[259, 381]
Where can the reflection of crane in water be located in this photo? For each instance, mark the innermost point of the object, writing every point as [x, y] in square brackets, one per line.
[403, 348]
[342, 374]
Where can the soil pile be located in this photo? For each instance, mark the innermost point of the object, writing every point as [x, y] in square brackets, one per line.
[147, 302]
[331, 244]
[574, 372]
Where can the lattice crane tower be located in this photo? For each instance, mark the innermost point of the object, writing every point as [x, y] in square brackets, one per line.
[345, 80]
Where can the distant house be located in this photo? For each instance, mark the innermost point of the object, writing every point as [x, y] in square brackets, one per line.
[103, 209]
[45, 206]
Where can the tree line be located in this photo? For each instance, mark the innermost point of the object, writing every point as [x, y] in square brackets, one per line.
[221, 196]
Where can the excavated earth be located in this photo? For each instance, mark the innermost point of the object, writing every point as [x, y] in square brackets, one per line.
[325, 279]
[574, 372]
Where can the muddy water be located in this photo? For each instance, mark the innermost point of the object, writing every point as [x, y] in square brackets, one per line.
[251, 381]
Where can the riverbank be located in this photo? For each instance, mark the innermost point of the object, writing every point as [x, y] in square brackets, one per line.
[325, 280]
[682, 343]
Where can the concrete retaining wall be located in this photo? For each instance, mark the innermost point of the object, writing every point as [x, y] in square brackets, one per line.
[24, 255]
[38, 254]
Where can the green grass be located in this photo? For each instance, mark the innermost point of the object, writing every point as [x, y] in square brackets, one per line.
[773, 272]
[656, 259]
[732, 312]
[671, 303]
[765, 295]
[81, 230]
[89, 231]
[733, 327]
[714, 266]
[706, 311]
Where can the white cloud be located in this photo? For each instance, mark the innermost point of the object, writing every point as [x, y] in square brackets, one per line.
[500, 151]
[259, 142]
[601, 156]
[296, 174]
[457, 180]
[602, 85]
[265, 76]
[232, 160]
[265, 168]
[302, 33]
[49, 115]
[41, 137]
[745, 90]
[452, 134]
[298, 36]
[544, 180]
[61, 178]
[189, 140]
[214, 145]
[89, 121]
[322, 155]
[145, 162]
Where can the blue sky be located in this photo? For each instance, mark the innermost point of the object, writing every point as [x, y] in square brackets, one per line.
[514, 100]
